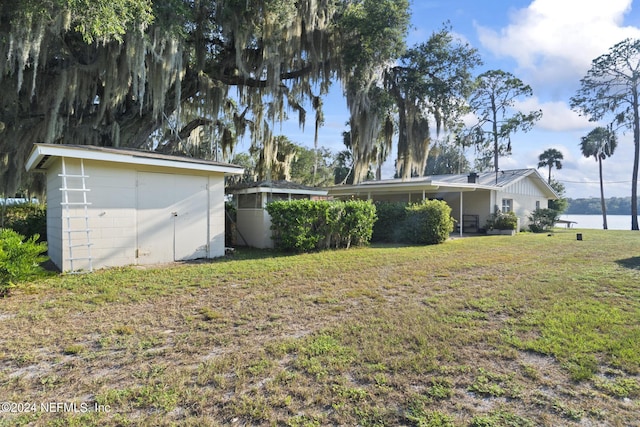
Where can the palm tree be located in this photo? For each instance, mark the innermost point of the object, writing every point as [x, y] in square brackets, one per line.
[550, 158]
[600, 143]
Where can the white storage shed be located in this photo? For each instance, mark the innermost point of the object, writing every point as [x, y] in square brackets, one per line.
[112, 207]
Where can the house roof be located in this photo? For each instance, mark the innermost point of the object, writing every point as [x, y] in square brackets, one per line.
[447, 183]
[286, 187]
[42, 155]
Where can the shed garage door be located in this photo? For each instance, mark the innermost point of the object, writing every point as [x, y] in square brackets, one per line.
[171, 217]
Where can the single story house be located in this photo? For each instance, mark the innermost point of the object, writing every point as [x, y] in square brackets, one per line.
[473, 197]
[253, 222]
[112, 207]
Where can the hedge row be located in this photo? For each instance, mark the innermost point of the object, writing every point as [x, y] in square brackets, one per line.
[306, 225]
[428, 222]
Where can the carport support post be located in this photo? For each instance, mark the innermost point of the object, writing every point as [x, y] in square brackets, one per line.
[461, 222]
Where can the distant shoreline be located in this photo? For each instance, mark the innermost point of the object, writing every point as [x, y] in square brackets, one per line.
[592, 206]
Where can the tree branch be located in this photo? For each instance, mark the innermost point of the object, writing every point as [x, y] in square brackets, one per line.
[236, 80]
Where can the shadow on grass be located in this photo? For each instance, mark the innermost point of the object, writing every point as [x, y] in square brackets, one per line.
[240, 253]
[632, 263]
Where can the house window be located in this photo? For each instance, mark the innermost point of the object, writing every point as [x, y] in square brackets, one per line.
[537, 204]
[507, 205]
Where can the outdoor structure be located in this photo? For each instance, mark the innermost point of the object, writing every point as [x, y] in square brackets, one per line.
[112, 207]
[472, 197]
[253, 222]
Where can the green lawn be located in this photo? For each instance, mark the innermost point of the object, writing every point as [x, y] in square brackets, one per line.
[484, 331]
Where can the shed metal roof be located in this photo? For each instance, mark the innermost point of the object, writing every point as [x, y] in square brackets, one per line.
[42, 154]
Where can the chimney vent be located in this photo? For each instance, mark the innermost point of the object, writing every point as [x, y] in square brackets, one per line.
[472, 178]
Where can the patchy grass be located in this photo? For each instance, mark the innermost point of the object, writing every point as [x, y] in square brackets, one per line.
[484, 331]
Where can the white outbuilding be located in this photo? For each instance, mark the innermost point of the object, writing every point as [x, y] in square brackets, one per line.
[253, 223]
[111, 207]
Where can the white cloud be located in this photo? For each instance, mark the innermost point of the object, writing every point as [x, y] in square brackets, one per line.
[556, 115]
[557, 40]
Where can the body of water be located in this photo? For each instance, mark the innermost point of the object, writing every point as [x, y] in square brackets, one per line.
[614, 222]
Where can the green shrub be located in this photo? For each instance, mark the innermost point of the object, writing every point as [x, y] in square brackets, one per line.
[502, 221]
[19, 258]
[306, 225]
[428, 222]
[542, 220]
[27, 219]
[357, 223]
[294, 224]
[389, 226]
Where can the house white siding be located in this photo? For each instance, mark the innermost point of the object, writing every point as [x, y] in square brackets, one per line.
[525, 195]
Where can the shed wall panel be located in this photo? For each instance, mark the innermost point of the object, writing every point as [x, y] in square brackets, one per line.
[172, 217]
[54, 216]
[112, 213]
[254, 228]
[216, 216]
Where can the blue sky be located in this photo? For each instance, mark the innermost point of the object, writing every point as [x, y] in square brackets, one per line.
[549, 44]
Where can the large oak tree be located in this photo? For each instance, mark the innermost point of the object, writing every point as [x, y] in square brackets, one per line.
[143, 74]
[429, 86]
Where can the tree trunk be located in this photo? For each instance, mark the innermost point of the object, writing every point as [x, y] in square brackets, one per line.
[602, 203]
[636, 158]
[496, 145]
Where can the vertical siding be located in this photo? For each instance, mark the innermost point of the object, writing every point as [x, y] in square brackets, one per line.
[525, 193]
